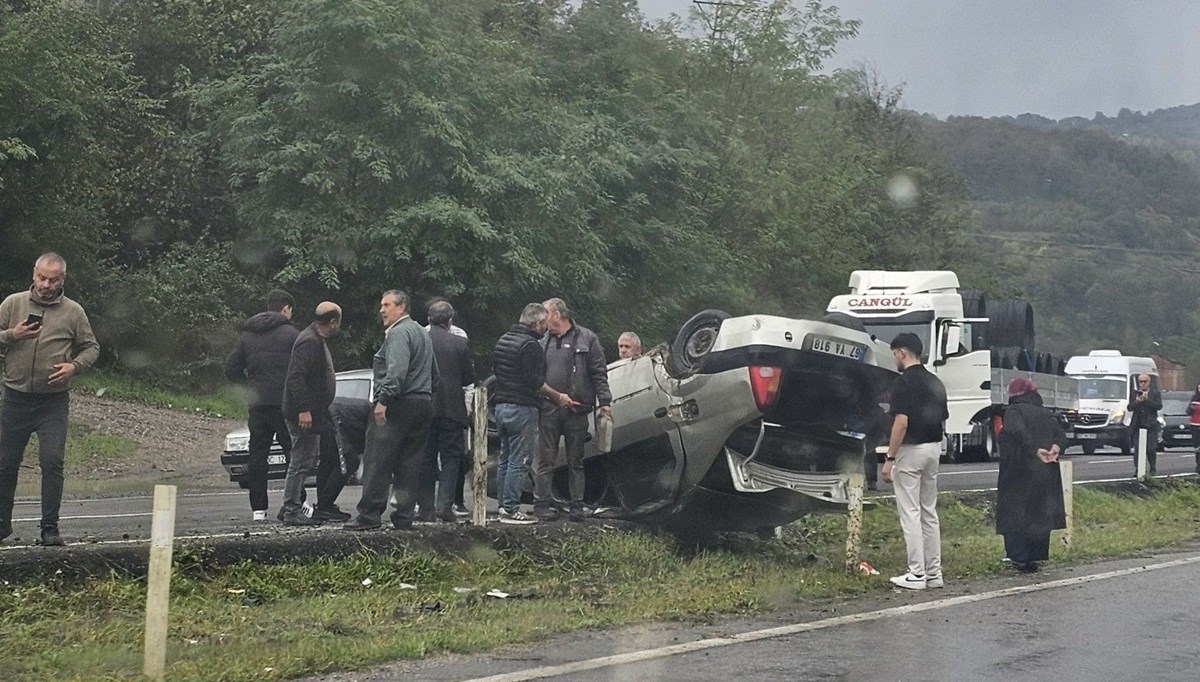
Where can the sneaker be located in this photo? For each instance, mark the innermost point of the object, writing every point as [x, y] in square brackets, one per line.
[360, 525]
[51, 538]
[909, 581]
[260, 514]
[545, 514]
[282, 513]
[332, 514]
[517, 518]
[935, 581]
[461, 510]
[299, 518]
[426, 517]
[577, 514]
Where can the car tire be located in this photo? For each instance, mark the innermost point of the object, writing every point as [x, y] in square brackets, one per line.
[693, 342]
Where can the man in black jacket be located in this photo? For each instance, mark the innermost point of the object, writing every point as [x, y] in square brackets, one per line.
[1144, 404]
[447, 433]
[307, 394]
[575, 365]
[261, 358]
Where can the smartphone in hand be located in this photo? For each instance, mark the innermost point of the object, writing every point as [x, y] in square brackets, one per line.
[34, 320]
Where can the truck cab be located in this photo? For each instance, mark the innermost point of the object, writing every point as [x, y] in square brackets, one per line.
[1106, 379]
[928, 303]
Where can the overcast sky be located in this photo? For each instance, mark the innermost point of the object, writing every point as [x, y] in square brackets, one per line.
[1056, 58]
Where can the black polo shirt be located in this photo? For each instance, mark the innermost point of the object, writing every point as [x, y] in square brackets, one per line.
[920, 396]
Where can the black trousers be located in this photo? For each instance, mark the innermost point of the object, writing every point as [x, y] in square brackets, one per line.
[441, 462]
[393, 459]
[266, 426]
[330, 479]
[21, 416]
[1024, 548]
[1151, 446]
[572, 427]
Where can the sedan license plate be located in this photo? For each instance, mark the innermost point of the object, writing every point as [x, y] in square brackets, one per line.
[841, 349]
[277, 459]
[1086, 436]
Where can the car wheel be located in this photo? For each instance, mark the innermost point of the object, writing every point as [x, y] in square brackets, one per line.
[694, 341]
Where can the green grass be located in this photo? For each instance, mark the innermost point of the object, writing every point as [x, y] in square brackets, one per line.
[227, 401]
[261, 622]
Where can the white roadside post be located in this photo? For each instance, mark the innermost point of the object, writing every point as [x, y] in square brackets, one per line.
[1067, 469]
[854, 521]
[158, 581]
[1141, 454]
[480, 454]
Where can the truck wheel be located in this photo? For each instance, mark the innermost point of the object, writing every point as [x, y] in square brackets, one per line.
[693, 342]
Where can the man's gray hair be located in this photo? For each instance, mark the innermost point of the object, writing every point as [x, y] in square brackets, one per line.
[398, 297]
[532, 314]
[440, 313]
[632, 337]
[559, 306]
[51, 258]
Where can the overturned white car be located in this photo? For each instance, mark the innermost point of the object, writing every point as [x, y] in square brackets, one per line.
[745, 423]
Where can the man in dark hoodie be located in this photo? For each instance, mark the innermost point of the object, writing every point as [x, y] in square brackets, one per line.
[261, 357]
[307, 394]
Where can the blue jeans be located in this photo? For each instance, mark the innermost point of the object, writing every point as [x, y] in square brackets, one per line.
[517, 427]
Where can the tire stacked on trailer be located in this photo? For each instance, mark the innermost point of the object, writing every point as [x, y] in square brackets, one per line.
[975, 306]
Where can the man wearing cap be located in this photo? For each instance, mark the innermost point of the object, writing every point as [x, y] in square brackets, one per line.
[919, 412]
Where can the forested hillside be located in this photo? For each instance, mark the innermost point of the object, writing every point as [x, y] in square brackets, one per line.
[1101, 232]
[186, 155]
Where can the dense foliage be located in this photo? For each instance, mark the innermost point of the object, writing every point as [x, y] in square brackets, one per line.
[186, 155]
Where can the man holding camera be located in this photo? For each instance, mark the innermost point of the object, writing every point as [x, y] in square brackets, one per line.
[1143, 407]
[46, 339]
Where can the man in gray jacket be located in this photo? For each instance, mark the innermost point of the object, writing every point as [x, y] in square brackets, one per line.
[405, 374]
[575, 365]
[46, 339]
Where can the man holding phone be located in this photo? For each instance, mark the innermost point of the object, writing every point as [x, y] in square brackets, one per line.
[46, 339]
[1144, 403]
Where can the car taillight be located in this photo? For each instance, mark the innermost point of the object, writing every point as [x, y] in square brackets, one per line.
[764, 381]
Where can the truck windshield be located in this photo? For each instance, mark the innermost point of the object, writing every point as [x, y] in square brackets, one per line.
[1102, 389]
[886, 332]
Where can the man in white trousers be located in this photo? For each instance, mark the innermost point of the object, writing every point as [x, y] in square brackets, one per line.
[919, 413]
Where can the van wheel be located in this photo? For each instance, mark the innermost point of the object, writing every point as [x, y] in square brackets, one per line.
[693, 342]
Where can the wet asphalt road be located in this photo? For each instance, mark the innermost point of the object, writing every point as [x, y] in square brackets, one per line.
[124, 520]
[1118, 620]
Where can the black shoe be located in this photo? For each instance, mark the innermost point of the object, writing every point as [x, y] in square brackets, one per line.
[872, 485]
[282, 513]
[1025, 567]
[5, 529]
[333, 514]
[576, 515]
[298, 518]
[546, 514]
[402, 524]
[51, 538]
[425, 518]
[447, 515]
[360, 524]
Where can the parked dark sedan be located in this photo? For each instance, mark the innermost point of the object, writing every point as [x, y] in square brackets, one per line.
[1177, 432]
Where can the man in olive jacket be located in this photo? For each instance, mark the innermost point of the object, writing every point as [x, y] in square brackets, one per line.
[405, 374]
[307, 394]
[46, 339]
[260, 359]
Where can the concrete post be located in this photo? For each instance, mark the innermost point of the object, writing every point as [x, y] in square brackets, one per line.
[480, 455]
[158, 581]
[1141, 454]
[854, 522]
[1067, 469]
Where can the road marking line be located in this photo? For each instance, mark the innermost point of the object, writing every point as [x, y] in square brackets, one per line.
[142, 541]
[967, 473]
[90, 516]
[798, 628]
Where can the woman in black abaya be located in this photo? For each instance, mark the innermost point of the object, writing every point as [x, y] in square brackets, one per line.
[1029, 500]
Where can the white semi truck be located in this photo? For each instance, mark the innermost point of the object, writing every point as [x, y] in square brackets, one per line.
[930, 304]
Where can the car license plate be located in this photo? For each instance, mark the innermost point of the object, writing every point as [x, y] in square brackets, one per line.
[841, 349]
[1086, 436]
[276, 459]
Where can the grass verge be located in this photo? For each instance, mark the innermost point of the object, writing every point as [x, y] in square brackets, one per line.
[226, 402]
[89, 452]
[261, 622]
